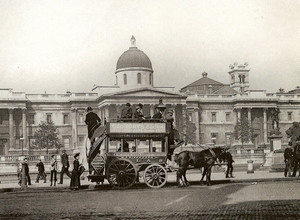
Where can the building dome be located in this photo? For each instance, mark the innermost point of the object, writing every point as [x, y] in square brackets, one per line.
[134, 58]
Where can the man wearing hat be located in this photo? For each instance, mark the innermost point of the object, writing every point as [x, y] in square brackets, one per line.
[93, 121]
[126, 111]
[65, 166]
[138, 114]
[158, 113]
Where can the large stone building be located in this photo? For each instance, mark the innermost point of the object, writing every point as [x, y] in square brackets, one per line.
[213, 107]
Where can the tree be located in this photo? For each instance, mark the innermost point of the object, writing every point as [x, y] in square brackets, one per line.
[190, 132]
[243, 131]
[46, 136]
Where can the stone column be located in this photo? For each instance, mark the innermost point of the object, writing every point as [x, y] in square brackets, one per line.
[11, 128]
[24, 128]
[151, 110]
[174, 114]
[249, 117]
[74, 127]
[196, 117]
[265, 126]
[239, 110]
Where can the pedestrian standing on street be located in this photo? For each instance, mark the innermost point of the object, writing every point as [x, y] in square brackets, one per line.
[27, 171]
[53, 176]
[75, 179]
[65, 167]
[41, 174]
[229, 160]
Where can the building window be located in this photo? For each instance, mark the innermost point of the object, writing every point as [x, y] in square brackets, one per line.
[66, 142]
[31, 119]
[1, 120]
[125, 79]
[290, 114]
[49, 118]
[214, 137]
[81, 118]
[227, 116]
[66, 119]
[213, 116]
[80, 140]
[139, 78]
[150, 78]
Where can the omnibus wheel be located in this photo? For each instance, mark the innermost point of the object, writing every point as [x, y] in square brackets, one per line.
[155, 176]
[121, 173]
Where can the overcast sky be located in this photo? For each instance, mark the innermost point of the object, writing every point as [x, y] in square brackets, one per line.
[58, 45]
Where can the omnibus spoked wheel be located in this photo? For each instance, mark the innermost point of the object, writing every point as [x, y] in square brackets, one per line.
[155, 176]
[121, 173]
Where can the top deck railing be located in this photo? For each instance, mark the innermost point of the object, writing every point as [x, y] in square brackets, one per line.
[137, 120]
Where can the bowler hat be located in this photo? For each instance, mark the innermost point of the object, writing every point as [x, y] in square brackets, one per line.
[140, 105]
[76, 155]
[89, 109]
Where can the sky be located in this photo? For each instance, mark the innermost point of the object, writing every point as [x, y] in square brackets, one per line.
[59, 45]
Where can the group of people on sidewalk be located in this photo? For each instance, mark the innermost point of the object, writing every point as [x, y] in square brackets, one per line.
[78, 169]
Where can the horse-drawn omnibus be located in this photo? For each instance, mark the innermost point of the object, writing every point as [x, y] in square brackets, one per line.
[124, 149]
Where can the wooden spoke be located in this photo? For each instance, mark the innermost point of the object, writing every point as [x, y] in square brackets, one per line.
[155, 176]
[121, 173]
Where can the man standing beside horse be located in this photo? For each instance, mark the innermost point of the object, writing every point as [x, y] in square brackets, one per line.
[294, 134]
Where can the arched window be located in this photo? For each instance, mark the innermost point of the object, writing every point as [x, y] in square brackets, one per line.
[125, 79]
[150, 78]
[139, 78]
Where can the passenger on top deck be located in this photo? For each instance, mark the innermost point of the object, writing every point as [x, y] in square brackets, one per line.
[174, 137]
[126, 112]
[158, 113]
[93, 121]
[138, 114]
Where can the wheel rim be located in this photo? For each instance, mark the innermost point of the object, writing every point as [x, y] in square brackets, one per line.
[121, 173]
[155, 176]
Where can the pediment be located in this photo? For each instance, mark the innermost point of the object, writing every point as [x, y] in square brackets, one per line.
[146, 92]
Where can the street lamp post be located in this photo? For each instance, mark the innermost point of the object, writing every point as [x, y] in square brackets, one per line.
[22, 139]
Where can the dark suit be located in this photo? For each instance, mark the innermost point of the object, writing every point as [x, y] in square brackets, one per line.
[41, 174]
[65, 167]
[229, 159]
[27, 174]
[93, 122]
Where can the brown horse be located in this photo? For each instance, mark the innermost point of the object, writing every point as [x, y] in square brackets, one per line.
[205, 158]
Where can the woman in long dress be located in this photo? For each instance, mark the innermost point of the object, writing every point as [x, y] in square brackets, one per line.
[75, 177]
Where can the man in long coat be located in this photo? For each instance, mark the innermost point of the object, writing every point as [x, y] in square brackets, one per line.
[65, 166]
[92, 121]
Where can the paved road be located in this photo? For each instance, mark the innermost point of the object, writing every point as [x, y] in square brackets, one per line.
[272, 200]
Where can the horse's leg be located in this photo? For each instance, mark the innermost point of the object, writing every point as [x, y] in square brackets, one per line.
[185, 180]
[178, 175]
[203, 174]
[208, 173]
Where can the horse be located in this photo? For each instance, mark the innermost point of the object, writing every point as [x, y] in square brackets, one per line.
[205, 158]
[294, 134]
[226, 157]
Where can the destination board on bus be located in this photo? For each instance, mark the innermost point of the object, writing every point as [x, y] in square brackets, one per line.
[137, 128]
